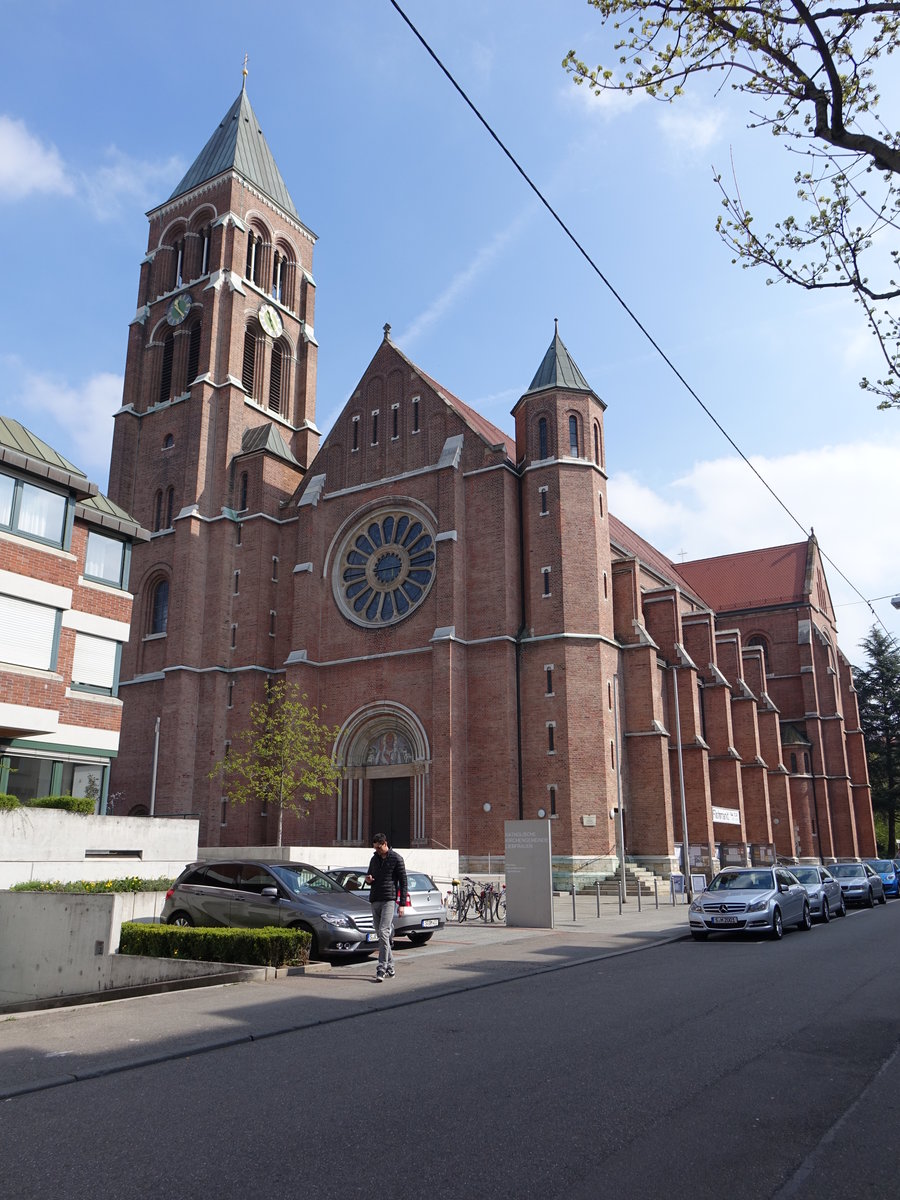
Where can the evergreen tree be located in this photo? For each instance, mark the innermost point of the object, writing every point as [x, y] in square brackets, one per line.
[878, 687]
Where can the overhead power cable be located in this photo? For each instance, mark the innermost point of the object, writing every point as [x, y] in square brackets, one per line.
[619, 299]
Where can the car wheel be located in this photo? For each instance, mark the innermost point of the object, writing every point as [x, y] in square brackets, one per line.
[699, 935]
[419, 939]
[826, 910]
[870, 899]
[777, 925]
[842, 911]
[805, 922]
[180, 918]
[314, 943]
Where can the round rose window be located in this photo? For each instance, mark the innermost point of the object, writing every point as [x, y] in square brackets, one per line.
[385, 567]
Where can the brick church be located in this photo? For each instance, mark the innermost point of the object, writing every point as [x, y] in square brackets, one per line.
[490, 641]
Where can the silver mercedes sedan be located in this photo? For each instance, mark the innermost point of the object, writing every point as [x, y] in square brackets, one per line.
[750, 900]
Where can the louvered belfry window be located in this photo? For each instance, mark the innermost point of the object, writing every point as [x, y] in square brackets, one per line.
[165, 379]
[193, 363]
[248, 372]
[276, 378]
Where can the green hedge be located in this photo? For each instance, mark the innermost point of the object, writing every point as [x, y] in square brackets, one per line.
[73, 804]
[267, 947]
[131, 883]
[7, 801]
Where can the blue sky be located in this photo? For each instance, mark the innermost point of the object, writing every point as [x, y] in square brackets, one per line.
[423, 223]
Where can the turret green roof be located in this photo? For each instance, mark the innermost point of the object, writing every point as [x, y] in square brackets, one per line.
[558, 370]
[239, 145]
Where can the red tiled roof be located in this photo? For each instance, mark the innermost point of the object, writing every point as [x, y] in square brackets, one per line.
[484, 428]
[630, 542]
[751, 579]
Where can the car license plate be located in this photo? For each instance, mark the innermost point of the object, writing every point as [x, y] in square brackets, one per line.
[431, 923]
[371, 937]
[725, 920]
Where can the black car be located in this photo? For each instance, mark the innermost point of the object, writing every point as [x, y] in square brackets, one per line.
[255, 893]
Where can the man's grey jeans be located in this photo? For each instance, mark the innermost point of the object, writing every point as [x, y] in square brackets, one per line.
[383, 911]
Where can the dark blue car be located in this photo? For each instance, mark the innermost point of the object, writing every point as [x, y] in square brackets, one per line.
[886, 868]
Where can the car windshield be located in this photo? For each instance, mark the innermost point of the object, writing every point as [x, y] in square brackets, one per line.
[297, 878]
[805, 874]
[881, 864]
[744, 881]
[847, 870]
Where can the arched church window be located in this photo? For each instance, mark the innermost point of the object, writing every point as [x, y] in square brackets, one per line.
[254, 257]
[596, 444]
[542, 439]
[177, 277]
[793, 763]
[157, 512]
[205, 249]
[242, 501]
[159, 606]
[165, 377]
[168, 442]
[573, 436]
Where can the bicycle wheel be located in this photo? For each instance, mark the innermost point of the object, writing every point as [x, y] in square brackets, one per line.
[452, 906]
[501, 907]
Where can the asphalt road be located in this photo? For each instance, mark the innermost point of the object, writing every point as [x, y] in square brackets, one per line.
[733, 1068]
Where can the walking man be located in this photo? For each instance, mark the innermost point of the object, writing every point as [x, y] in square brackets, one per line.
[387, 886]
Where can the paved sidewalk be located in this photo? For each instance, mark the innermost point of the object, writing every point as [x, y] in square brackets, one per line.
[55, 1047]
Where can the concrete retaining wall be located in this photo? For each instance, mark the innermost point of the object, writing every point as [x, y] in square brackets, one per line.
[49, 844]
[55, 944]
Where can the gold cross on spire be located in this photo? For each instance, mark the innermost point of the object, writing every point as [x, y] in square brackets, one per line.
[244, 73]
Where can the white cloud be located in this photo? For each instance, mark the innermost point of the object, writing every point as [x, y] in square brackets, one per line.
[75, 419]
[463, 280]
[27, 165]
[690, 128]
[847, 492]
[125, 183]
[605, 105]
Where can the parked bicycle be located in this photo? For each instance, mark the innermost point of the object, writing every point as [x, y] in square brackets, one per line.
[471, 900]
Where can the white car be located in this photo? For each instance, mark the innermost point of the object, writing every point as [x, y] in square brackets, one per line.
[750, 900]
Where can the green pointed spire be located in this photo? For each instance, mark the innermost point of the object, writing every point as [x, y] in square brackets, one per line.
[558, 370]
[238, 144]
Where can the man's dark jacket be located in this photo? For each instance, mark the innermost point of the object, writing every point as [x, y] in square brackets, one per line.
[388, 878]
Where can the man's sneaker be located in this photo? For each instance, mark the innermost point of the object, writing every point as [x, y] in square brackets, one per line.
[390, 972]
[379, 978]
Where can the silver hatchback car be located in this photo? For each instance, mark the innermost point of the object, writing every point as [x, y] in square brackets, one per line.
[256, 893]
[750, 900]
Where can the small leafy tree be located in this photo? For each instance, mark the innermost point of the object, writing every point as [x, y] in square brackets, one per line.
[283, 757]
[878, 688]
[808, 68]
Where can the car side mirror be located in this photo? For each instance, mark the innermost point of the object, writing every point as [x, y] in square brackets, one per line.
[271, 892]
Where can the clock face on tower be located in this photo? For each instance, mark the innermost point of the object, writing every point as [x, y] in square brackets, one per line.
[270, 319]
[385, 567]
[179, 308]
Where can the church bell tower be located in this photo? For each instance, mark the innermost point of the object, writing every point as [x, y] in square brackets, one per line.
[216, 429]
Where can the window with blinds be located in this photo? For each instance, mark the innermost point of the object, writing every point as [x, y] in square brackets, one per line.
[29, 633]
[95, 662]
